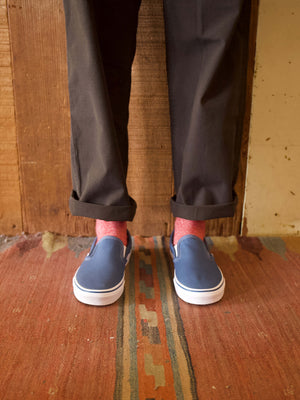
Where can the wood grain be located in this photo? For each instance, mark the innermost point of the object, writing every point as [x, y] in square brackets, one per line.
[10, 201]
[150, 178]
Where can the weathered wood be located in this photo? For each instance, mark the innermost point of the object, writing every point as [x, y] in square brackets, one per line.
[10, 202]
[150, 178]
[42, 113]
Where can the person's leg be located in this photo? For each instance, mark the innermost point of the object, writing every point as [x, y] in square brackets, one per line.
[101, 41]
[207, 51]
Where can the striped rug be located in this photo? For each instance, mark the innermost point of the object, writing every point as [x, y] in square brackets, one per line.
[149, 344]
[153, 360]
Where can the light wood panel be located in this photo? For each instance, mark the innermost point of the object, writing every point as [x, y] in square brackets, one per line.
[273, 177]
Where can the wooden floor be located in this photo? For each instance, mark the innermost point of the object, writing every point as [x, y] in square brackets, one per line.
[149, 345]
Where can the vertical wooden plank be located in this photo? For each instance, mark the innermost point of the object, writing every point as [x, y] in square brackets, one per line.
[43, 116]
[150, 177]
[10, 203]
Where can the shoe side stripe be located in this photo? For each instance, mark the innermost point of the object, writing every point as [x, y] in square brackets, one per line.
[100, 290]
[199, 290]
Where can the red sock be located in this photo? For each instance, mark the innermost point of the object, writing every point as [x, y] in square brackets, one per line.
[112, 228]
[187, 227]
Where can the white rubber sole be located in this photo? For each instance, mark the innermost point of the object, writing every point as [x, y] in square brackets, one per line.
[199, 297]
[98, 298]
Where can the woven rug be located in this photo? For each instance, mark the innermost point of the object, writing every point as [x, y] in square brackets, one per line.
[153, 359]
[149, 344]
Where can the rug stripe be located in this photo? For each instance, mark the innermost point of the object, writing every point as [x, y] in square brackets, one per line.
[180, 325]
[126, 360]
[120, 350]
[168, 318]
[131, 321]
[178, 340]
[152, 354]
[154, 362]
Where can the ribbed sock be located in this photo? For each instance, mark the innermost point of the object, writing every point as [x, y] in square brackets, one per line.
[187, 227]
[112, 228]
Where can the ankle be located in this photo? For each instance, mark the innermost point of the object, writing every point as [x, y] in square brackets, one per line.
[111, 228]
[184, 227]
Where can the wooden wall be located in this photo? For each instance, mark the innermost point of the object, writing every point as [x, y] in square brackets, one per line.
[10, 199]
[35, 179]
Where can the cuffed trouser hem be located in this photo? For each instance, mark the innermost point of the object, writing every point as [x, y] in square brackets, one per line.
[204, 212]
[98, 211]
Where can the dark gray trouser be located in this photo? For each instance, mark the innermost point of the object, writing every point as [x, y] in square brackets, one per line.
[206, 56]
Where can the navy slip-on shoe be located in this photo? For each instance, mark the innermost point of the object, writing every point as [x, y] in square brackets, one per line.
[197, 277]
[100, 279]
